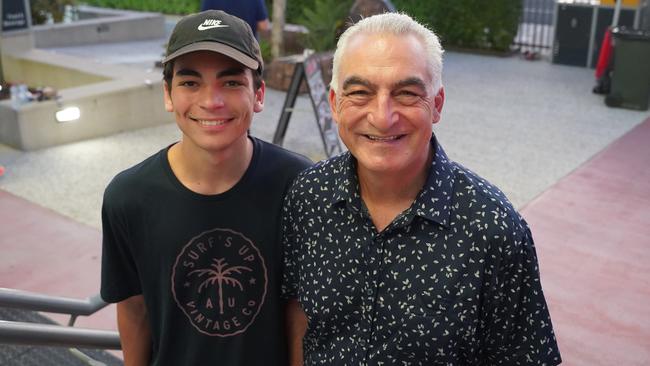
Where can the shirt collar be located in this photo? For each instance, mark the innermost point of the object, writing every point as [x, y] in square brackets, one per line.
[435, 199]
[347, 186]
[432, 203]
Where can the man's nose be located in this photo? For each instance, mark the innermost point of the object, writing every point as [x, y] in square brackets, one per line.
[211, 97]
[383, 114]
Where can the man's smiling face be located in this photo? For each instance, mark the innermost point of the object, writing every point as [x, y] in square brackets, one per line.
[213, 100]
[385, 106]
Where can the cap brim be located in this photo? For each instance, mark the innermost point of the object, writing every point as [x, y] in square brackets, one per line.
[216, 47]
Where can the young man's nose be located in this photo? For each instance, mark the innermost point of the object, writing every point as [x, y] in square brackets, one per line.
[383, 115]
[211, 97]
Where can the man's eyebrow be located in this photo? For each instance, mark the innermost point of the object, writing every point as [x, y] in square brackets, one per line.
[232, 71]
[188, 72]
[355, 80]
[412, 81]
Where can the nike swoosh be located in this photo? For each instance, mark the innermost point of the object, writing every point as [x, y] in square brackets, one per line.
[203, 27]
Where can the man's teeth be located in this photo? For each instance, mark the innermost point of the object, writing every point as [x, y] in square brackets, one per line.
[382, 138]
[210, 123]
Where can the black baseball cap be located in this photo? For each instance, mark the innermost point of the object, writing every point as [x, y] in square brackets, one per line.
[215, 30]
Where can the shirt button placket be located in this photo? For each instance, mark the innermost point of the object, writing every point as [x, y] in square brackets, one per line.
[373, 253]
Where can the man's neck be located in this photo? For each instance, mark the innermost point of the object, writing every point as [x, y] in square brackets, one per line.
[388, 195]
[207, 172]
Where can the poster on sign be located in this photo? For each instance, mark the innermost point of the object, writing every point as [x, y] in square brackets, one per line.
[15, 15]
[309, 68]
[318, 94]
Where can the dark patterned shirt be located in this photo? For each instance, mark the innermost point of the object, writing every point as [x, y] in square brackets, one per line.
[453, 280]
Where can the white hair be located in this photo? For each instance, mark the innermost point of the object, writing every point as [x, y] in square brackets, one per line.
[397, 24]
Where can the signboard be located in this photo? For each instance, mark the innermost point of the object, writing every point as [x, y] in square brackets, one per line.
[15, 15]
[310, 70]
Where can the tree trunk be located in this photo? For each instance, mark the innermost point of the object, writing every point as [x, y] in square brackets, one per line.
[277, 39]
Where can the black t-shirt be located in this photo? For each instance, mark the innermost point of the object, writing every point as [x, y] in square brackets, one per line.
[208, 266]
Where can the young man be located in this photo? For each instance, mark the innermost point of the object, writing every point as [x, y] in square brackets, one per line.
[191, 235]
[396, 255]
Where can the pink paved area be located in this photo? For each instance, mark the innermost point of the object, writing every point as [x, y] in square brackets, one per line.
[45, 252]
[592, 230]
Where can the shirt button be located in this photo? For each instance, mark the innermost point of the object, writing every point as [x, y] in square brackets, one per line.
[369, 291]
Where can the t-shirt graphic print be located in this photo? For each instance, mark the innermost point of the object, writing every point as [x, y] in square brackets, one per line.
[219, 281]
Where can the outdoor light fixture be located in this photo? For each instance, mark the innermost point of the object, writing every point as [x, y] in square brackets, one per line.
[68, 114]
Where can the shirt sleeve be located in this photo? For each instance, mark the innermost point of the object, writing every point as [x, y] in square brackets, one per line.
[261, 11]
[290, 245]
[119, 274]
[519, 329]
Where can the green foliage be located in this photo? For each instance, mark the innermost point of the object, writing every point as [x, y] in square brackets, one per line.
[179, 7]
[322, 20]
[41, 8]
[294, 9]
[265, 49]
[490, 25]
[481, 24]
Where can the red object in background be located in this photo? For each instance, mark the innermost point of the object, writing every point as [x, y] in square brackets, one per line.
[2, 170]
[605, 55]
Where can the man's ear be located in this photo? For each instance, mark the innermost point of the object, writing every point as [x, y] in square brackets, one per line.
[169, 106]
[438, 101]
[259, 98]
[333, 106]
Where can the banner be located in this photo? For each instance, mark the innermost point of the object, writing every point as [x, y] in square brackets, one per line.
[15, 15]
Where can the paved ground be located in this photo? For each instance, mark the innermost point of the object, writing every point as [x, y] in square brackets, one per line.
[592, 231]
[522, 125]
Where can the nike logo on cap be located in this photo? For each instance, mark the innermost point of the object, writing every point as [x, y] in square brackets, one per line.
[211, 23]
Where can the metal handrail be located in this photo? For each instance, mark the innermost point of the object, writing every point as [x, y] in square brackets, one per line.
[12, 332]
[58, 336]
[51, 304]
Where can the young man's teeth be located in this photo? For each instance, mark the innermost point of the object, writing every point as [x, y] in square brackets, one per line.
[210, 123]
[386, 138]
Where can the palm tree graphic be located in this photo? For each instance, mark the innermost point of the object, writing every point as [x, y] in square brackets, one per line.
[220, 273]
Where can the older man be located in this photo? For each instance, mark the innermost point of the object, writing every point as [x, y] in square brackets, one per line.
[394, 254]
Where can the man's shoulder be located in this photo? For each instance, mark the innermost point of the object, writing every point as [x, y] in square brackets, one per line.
[474, 189]
[137, 176]
[326, 172]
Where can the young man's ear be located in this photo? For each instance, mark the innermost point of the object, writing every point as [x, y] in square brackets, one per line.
[438, 102]
[259, 98]
[169, 106]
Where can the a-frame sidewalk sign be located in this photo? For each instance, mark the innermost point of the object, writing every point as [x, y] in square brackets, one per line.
[309, 68]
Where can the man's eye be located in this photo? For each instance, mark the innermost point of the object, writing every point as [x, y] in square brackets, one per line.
[357, 93]
[188, 83]
[233, 83]
[407, 93]
[407, 97]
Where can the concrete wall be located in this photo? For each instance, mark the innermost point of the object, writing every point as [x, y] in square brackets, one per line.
[106, 108]
[106, 26]
[111, 98]
[35, 73]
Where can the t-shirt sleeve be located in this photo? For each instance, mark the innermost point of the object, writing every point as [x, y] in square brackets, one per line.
[119, 275]
[207, 5]
[261, 11]
[519, 329]
[290, 246]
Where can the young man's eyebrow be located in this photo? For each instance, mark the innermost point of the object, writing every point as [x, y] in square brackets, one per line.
[187, 72]
[355, 80]
[232, 71]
